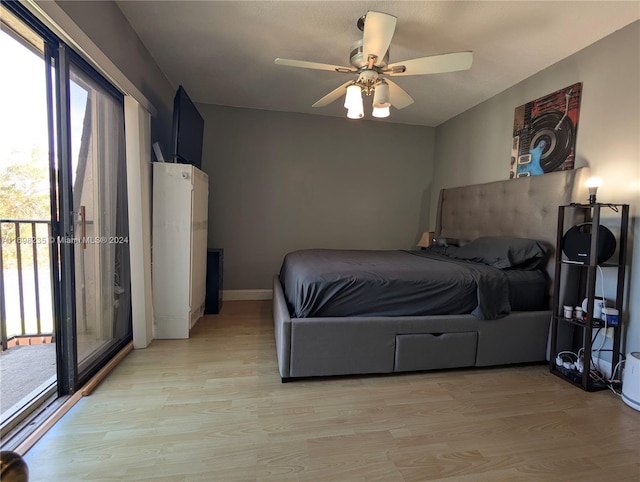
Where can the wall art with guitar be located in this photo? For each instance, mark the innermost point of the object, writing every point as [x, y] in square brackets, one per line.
[544, 133]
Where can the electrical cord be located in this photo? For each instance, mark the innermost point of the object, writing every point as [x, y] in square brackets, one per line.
[567, 352]
[598, 375]
[604, 303]
[568, 364]
[613, 377]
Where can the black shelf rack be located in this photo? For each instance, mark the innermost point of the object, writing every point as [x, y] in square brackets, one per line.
[574, 281]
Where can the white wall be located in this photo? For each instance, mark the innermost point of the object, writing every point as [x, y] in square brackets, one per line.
[476, 145]
[280, 182]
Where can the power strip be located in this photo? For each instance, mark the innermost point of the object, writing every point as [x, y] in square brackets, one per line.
[569, 364]
[571, 374]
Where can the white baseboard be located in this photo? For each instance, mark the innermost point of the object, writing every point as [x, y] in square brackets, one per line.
[242, 295]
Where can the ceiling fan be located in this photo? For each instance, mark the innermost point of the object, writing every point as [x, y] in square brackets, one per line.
[369, 59]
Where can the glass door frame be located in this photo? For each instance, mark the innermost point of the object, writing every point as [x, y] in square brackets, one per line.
[30, 411]
[58, 58]
[67, 354]
[82, 370]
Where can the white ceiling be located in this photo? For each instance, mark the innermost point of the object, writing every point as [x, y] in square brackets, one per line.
[223, 52]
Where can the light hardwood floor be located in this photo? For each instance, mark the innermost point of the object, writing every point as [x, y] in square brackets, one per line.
[212, 408]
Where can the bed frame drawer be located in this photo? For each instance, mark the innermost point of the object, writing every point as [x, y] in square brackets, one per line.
[429, 351]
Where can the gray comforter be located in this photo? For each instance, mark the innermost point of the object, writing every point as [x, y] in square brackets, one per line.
[327, 283]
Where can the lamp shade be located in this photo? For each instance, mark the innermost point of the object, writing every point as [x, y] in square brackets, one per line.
[426, 240]
[355, 113]
[380, 112]
[381, 95]
[353, 102]
[353, 97]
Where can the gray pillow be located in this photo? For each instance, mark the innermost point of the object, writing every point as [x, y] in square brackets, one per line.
[444, 241]
[502, 252]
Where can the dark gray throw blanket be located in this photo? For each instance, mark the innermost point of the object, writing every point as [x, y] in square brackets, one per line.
[341, 283]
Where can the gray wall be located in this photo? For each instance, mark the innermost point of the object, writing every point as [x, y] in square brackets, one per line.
[280, 182]
[109, 29]
[476, 145]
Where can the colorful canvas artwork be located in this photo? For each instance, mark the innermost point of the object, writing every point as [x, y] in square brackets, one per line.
[544, 133]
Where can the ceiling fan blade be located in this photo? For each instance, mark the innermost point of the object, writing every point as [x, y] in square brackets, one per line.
[398, 96]
[333, 95]
[378, 32]
[313, 65]
[435, 64]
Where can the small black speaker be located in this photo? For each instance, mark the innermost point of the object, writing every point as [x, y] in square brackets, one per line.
[576, 243]
[213, 299]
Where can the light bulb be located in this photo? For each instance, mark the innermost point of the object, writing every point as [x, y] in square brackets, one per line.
[593, 183]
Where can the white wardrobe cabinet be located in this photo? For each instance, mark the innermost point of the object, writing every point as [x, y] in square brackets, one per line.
[179, 248]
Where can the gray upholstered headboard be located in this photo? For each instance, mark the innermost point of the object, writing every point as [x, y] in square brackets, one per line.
[526, 207]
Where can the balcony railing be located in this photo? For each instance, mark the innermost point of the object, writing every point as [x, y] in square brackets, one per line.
[25, 282]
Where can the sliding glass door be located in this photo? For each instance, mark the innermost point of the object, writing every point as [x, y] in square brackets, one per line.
[85, 209]
[100, 248]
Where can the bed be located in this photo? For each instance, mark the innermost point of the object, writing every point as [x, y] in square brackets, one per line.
[469, 313]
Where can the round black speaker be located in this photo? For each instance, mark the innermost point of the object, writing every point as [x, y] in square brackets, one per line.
[576, 243]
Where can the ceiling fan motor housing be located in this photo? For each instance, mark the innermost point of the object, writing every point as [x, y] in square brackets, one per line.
[358, 59]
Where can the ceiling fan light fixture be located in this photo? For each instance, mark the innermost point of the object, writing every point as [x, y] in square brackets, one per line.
[381, 95]
[369, 59]
[353, 97]
[381, 112]
[355, 113]
[353, 102]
